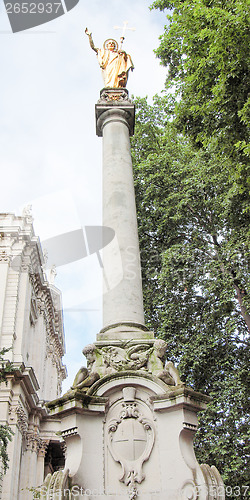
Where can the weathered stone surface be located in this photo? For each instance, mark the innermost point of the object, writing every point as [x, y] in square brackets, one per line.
[31, 325]
[126, 356]
[122, 298]
[114, 99]
[131, 436]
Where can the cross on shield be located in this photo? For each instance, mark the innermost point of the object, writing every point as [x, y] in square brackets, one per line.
[131, 437]
[130, 440]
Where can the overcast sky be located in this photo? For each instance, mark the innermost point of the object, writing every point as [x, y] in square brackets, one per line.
[50, 155]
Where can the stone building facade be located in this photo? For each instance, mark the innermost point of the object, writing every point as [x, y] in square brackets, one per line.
[31, 326]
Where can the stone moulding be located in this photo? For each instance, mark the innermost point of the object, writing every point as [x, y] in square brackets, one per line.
[114, 96]
[105, 114]
[78, 401]
[69, 432]
[55, 486]
[129, 377]
[114, 100]
[181, 396]
[214, 485]
[126, 324]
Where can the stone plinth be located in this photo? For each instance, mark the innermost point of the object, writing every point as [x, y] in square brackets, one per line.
[131, 436]
[128, 423]
[123, 302]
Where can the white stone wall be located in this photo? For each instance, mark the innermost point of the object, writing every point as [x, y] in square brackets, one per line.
[31, 325]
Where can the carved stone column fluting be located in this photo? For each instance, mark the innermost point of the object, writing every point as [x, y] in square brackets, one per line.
[123, 315]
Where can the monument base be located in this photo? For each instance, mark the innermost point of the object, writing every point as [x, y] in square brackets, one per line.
[130, 436]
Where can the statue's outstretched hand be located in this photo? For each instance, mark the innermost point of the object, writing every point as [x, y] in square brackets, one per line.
[87, 32]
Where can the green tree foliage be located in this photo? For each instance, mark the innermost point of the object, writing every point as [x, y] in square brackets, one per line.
[195, 251]
[206, 48]
[5, 430]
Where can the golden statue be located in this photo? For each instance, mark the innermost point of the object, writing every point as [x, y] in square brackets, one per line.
[114, 62]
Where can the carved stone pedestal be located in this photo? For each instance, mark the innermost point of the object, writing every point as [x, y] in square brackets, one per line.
[130, 436]
[128, 423]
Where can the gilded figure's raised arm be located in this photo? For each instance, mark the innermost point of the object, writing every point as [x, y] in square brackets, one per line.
[91, 43]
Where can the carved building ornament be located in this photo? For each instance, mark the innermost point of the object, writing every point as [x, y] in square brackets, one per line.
[42, 447]
[33, 442]
[56, 485]
[189, 491]
[114, 95]
[130, 440]
[111, 359]
[22, 420]
[33, 310]
[47, 304]
[4, 257]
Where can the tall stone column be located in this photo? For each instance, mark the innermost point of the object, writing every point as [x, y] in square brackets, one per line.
[128, 413]
[123, 315]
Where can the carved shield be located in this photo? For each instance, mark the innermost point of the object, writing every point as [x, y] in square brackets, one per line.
[129, 440]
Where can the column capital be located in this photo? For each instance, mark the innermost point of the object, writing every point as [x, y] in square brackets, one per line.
[114, 103]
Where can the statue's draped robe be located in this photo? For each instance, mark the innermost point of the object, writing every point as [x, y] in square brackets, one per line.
[115, 67]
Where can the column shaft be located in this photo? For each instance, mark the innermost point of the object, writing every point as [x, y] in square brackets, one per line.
[122, 298]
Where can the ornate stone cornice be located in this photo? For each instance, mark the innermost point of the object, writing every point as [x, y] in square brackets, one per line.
[114, 104]
[116, 96]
